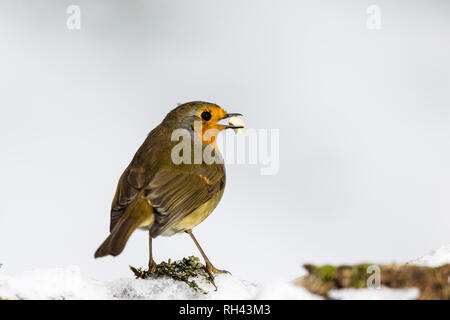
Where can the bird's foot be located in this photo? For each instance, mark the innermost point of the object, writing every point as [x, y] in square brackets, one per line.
[211, 269]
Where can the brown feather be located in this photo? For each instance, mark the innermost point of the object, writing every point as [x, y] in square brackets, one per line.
[138, 214]
[175, 194]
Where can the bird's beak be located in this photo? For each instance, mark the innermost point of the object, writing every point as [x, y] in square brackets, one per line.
[229, 115]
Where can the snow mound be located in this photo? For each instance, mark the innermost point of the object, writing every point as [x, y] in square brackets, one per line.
[55, 283]
[68, 283]
[375, 294]
[434, 258]
[229, 287]
[284, 291]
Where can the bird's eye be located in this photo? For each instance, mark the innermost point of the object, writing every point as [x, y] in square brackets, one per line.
[206, 115]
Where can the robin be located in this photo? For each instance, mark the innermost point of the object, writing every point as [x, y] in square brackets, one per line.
[158, 193]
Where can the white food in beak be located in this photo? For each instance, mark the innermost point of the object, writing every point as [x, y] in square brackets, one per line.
[236, 121]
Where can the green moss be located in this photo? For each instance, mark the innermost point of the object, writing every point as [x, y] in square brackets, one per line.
[359, 276]
[182, 270]
[336, 276]
[325, 272]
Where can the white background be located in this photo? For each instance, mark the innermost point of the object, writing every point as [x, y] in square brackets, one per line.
[364, 121]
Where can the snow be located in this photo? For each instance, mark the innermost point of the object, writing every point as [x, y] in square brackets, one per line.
[375, 294]
[164, 288]
[434, 258]
[69, 283]
[55, 283]
[284, 291]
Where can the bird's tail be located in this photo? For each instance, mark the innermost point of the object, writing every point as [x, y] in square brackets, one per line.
[138, 214]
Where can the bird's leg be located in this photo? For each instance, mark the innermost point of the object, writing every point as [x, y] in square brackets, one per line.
[208, 265]
[151, 262]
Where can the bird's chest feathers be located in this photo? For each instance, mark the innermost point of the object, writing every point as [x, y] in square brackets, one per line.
[208, 136]
[196, 217]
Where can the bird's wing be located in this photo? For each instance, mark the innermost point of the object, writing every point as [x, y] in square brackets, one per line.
[174, 194]
[130, 183]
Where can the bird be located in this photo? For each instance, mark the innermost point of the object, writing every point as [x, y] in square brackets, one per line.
[158, 193]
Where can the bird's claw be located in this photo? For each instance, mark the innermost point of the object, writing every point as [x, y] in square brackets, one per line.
[218, 271]
[212, 271]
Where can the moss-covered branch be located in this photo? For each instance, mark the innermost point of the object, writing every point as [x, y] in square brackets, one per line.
[432, 282]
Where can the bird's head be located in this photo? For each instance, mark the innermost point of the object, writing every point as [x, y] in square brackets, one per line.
[201, 118]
